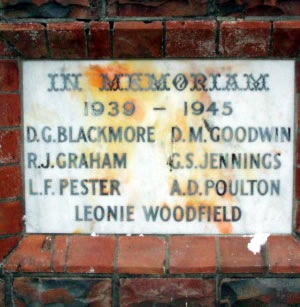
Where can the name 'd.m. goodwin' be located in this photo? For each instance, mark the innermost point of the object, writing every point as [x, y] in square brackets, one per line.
[164, 82]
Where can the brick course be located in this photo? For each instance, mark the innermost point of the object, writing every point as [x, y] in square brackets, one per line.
[62, 291]
[182, 291]
[28, 39]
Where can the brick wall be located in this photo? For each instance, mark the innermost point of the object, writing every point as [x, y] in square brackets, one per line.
[78, 270]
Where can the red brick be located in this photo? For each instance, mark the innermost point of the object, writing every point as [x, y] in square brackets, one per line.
[32, 255]
[193, 255]
[81, 13]
[298, 142]
[167, 292]
[289, 8]
[297, 183]
[191, 38]
[6, 49]
[49, 8]
[67, 40]
[84, 3]
[298, 218]
[298, 80]
[36, 291]
[10, 110]
[9, 75]
[141, 255]
[157, 8]
[28, 38]
[284, 254]
[11, 215]
[138, 39]
[286, 38]
[242, 8]
[245, 38]
[10, 146]
[60, 251]
[237, 258]
[91, 254]
[2, 293]
[10, 181]
[7, 245]
[100, 40]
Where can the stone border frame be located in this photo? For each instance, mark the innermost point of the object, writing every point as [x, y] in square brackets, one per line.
[114, 256]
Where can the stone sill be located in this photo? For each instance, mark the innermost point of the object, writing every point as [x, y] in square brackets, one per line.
[152, 255]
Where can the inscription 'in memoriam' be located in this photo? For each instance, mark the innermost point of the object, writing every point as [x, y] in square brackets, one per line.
[203, 147]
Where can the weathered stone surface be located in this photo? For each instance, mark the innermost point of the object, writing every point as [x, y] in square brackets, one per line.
[243, 91]
[62, 292]
[167, 292]
[261, 292]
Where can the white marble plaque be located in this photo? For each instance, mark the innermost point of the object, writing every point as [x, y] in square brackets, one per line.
[159, 146]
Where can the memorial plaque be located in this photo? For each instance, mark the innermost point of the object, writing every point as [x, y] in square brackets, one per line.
[160, 146]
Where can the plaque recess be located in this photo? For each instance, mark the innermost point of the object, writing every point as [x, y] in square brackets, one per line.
[160, 146]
